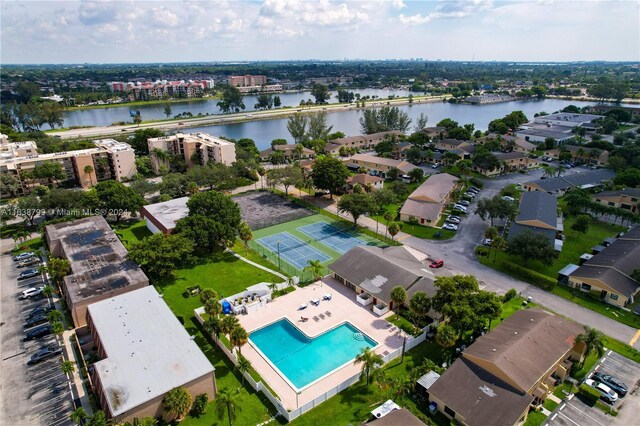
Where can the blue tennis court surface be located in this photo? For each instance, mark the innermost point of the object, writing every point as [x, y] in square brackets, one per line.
[293, 250]
[331, 236]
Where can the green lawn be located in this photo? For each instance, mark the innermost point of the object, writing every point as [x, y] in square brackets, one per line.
[133, 232]
[354, 404]
[426, 232]
[29, 245]
[584, 299]
[535, 418]
[559, 391]
[587, 366]
[511, 307]
[550, 405]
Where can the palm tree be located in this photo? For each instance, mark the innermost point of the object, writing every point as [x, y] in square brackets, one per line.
[398, 296]
[54, 316]
[57, 328]
[490, 233]
[206, 294]
[238, 337]
[560, 171]
[47, 291]
[245, 234]
[592, 338]
[261, 172]
[370, 362]
[68, 367]
[465, 167]
[212, 307]
[161, 156]
[498, 243]
[228, 323]
[226, 401]
[78, 415]
[177, 402]
[446, 336]
[388, 216]
[401, 387]
[298, 150]
[548, 171]
[419, 304]
[89, 170]
[316, 269]
[98, 419]
[243, 366]
[394, 229]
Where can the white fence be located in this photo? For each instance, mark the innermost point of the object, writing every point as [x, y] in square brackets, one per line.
[411, 343]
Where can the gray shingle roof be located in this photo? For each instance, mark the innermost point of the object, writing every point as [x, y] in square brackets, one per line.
[591, 177]
[539, 206]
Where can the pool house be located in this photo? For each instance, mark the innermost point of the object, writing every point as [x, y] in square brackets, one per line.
[372, 272]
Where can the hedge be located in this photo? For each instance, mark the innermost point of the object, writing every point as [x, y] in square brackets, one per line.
[476, 182]
[588, 394]
[532, 277]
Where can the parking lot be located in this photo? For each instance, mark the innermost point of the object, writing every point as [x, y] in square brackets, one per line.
[575, 412]
[30, 395]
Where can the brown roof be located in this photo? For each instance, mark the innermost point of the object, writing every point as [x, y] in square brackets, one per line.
[477, 396]
[389, 162]
[421, 209]
[525, 346]
[364, 179]
[435, 189]
[504, 156]
[629, 192]
[401, 417]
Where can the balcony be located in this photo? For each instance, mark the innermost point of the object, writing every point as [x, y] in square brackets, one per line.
[364, 299]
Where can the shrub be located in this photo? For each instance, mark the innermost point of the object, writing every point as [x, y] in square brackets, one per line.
[510, 294]
[482, 251]
[588, 394]
[532, 277]
[199, 406]
[476, 182]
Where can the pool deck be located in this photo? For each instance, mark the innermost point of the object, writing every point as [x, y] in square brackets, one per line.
[343, 307]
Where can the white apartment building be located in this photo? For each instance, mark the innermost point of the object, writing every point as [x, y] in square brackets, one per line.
[195, 148]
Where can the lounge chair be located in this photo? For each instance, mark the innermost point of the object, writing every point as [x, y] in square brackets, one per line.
[302, 307]
[327, 313]
[315, 301]
[321, 316]
[315, 318]
[327, 296]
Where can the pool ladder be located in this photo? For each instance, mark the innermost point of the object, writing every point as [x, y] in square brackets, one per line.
[358, 336]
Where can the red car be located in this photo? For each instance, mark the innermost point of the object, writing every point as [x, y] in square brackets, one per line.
[437, 264]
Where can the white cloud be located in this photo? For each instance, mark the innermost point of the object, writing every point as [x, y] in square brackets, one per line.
[448, 10]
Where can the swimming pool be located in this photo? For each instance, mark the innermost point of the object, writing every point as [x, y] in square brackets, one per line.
[302, 360]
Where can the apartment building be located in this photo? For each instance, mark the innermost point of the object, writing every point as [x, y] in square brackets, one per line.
[159, 89]
[378, 166]
[143, 352]
[427, 203]
[194, 148]
[246, 80]
[626, 199]
[98, 263]
[109, 160]
[359, 142]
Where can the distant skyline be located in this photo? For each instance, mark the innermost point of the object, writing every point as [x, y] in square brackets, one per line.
[130, 31]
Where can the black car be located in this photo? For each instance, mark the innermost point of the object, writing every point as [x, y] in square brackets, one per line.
[616, 385]
[44, 353]
[40, 310]
[36, 320]
[38, 332]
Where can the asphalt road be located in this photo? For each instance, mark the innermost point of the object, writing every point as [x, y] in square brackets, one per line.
[459, 257]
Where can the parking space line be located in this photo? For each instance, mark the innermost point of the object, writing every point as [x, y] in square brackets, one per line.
[585, 413]
[615, 362]
[568, 418]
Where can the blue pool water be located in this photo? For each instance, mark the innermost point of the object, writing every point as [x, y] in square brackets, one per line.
[302, 360]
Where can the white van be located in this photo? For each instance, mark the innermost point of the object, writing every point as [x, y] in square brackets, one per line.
[30, 292]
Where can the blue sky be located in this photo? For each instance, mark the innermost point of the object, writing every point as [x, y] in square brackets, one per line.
[221, 30]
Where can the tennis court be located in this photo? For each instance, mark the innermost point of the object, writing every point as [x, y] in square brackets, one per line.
[292, 250]
[332, 237]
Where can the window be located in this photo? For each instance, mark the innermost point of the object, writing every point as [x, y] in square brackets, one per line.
[611, 204]
[585, 287]
[449, 411]
[613, 296]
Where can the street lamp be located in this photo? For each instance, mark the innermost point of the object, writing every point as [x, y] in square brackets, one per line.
[404, 345]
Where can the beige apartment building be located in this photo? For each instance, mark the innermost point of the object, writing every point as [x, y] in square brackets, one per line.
[109, 160]
[246, 80]
[194, 148]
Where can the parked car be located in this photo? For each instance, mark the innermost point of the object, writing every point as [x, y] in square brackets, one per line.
[616, 385]
[453, 220]
[28, 274]
[40, 310]
[38, 332]
[435, 165]
[474, 189]
[30, 292]
[29, 262]
[44, 353]
[470, 194]
[508, 198]
[464, 203]
[594, 167]
[24, 256]
[606, 392]
[487, 242]
[460, 207]
[437, 264]
[37, 320]
[452, 216]
[450, 227]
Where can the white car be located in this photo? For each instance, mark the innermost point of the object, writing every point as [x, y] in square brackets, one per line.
[435, 165]
[30, 292]
[453, 220]
[450, 227]
[606, 392]
[464, 203]
[487, 242]
[460, 207]
[24, 256]
[508, 198]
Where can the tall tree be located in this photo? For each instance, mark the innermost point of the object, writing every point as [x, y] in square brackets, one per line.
[420, 304]
[231, 100]
[318, 128]
[245, 234]
[177, 402]
[593, 339]
[159, 255]
[532, 246]
[243, 366]
[421, 122]
[398, 296]
[329, 174]
[356, 205]
[167, 109]
[316, 268]
[384, 119]
[238, 337]
[117, 199]
[226, 401]
[297, 127]
[320, 92]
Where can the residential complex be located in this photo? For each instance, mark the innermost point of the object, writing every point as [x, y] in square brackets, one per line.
[608, 274]
[162, 217]
[538, 214]
[161, 89]
[497, 378]
[427, 203]
[246, 80]
[110, 159]
[144, 352]
[290, 152]
[625, 199]
[193, 148]
[557, 126]
[378, 166]
[98, 262]
[367, 182]
[359, 142]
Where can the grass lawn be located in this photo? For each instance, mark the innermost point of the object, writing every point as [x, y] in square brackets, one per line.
[511, 307]
[605, 309]
[550, 405]
[132, 233]
[575, 245]
[227, 275]
[354, 404]
[622, 348]
[426, 232]
[588, 365]
[559, 391]
[29, 245]
[535, 418]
